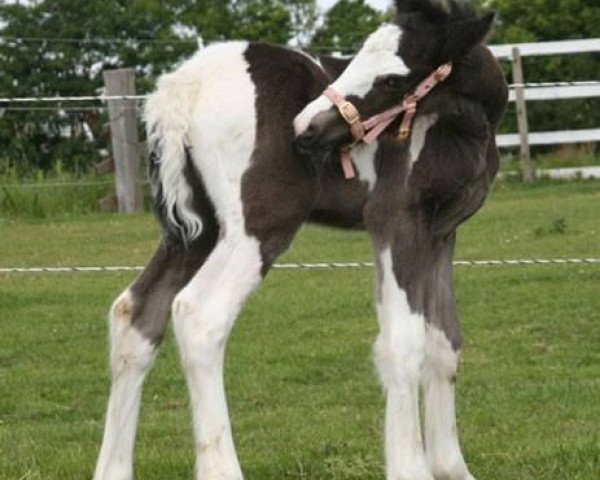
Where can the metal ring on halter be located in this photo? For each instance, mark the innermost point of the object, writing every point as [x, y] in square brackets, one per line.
[442, 72]
[403, 134]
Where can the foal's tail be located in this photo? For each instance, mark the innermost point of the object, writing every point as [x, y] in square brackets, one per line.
[168, 116]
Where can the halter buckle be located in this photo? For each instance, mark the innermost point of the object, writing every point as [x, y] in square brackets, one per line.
[349, 112]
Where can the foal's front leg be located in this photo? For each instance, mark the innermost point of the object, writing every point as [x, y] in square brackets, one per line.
[443, 343]
[399, 355]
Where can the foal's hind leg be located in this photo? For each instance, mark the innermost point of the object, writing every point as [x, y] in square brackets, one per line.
[443, 341]
[203, 315]
[138, 320]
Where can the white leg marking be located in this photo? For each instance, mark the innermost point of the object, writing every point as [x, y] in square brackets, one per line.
[131, 357]
[203, 315]
[441, 438]
[222, 150]
[417, 138]
[399, 356]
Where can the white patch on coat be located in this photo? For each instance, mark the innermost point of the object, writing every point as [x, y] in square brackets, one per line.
[223, 132]
[204, 313]
[419, 132]
[399, 356]
[363, 156]
[131, 357]
[208, 105]
[378, 56]
[442, 447]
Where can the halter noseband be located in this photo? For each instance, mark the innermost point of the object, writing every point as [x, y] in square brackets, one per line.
[369, 130]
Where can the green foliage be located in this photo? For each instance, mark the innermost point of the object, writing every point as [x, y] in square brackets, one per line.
[62, 47]
[262, 20]
[346, 24]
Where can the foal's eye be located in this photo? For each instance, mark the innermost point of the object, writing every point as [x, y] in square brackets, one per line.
[391, 82]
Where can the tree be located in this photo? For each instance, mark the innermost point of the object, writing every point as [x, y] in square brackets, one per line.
[61, 47]
[346, 25]
[267, 20]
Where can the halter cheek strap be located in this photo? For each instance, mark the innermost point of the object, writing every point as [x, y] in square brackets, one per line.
[348, 111]
[352, 116]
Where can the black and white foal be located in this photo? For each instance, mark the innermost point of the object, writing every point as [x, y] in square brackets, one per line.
[231, 191]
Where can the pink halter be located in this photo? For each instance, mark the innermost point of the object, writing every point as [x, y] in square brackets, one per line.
[369, 130]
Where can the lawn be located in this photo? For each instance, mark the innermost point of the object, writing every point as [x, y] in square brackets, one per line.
[304, 400]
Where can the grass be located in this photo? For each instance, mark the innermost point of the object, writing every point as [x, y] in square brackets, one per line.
[304, 400]
[40, 199]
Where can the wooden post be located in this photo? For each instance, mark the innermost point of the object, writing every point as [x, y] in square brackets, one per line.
[125, 139]
[527, 167]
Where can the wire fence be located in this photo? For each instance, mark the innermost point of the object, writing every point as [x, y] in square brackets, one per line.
[104, 98]
[315, 265]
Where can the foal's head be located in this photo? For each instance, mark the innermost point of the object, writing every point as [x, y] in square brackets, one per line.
[377, 57]
[393, 60]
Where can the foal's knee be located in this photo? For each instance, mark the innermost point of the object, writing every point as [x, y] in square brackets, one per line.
[441, 357]
[202, 326]
[121, 311]
[129, 348]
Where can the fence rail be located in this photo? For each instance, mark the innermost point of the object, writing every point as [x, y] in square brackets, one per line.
[550, 138]
[533, 91]
[561, 47]
[562, 92]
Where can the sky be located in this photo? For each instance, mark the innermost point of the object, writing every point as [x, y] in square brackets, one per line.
[380, 4]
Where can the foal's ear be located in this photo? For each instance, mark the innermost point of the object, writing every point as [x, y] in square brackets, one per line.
[464, 35]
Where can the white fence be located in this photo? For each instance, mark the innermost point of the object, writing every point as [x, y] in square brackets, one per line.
[553, 91]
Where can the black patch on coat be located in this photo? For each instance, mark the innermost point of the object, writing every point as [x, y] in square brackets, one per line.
[176, 260]
[279, 190]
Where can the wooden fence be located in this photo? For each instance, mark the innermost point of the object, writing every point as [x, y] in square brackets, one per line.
[521, 94]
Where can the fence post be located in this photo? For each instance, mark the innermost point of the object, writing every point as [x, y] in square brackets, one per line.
[527, 167]
[125, 139]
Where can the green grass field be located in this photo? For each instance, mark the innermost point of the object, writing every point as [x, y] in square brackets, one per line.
[303, 396]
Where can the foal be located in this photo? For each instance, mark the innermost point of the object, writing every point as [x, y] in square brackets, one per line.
[231, 193]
